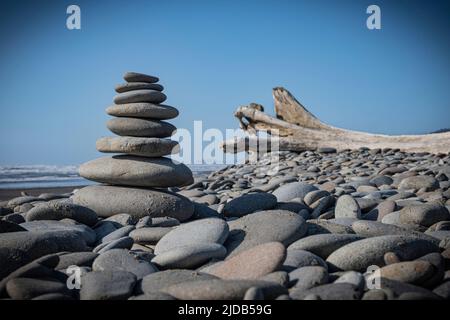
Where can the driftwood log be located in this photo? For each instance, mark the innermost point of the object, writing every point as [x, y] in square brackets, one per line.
[296, 129]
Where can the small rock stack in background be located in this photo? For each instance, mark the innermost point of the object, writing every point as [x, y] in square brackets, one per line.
[142, 142]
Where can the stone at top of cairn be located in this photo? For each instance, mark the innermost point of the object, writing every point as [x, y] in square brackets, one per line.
[139, 77]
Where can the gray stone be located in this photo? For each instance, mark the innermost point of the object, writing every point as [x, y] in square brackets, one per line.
[332, 291]
[149, 235]
[107, 285]
[21, 200]
[164, 222]
[139, 77]
[117, 234]
[249, 203]
[361, 254]
[137, 171]
[80, 259]
[122, 220]
[26, 288]
[202, 231]
[264, 226]
[129, 86]
[6, 226]
[321, 226]
[425, 214]
[443, 290]
[108, 200]
[324, 244]
[62, 210]
[308, 277]
[253, 294]
[418, 182]
[120, 243]
[136, 127]
[20, 248]
[146, 147]
[293, 190]
[189, 256]
[122, 260]
[352, 277]
[347, 207]
[142, 95]
[382, 180]
[300, 258]
[143, 110]
[414, 272]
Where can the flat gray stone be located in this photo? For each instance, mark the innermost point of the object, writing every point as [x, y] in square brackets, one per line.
[149, 235]
[143, 110]
[62, 210]
[419, 182]
[359, 255]
[26, 288]
[117, 234]
[249, 203]
[139, 77]
[121, 243]
[189, 256]
[264, 226]
[146, 147]
[135, 127]
[293, 190]
[300, 258]
[321, 226]
[324, 244]
[107, 285]
[202, 231]
[142, 95]
[122, 260]
[137, 171]
[109, 200]
[332, 291]
[347, 207]
[424, 214]
[80, 259]
[308, 277]
[130, 86]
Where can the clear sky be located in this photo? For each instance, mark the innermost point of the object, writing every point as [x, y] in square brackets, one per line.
[213, 56]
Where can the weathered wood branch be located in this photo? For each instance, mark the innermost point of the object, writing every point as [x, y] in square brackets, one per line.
[296, 129]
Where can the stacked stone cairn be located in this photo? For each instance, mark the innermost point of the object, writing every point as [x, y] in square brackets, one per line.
[130, 178]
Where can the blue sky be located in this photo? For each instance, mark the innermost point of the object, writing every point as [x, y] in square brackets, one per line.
[213, 56]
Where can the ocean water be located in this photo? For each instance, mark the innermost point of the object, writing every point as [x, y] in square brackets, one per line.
[49, 176]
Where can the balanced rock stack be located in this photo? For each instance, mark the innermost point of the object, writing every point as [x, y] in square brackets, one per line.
[142, 142]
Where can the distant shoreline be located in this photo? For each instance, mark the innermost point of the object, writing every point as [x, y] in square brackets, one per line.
[7, 194]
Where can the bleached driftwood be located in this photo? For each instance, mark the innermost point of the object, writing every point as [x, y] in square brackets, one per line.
[296, 129]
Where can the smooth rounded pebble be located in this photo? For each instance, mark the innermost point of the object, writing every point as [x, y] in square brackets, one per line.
[189, 256]
[424, 214]
[137, 171]
[149, 235]
[27, 288]
[81, 259]
[143, 110]
[142, 95]
[308, 277]
[62, 210]
[129, 86]
[135, 127]
[332, 291]
[139, 77]
[249, 203]
[359, 255]
[202, 231]
[419, 182]
[324, 244]
[414, 272]
[293, 190]
[107, 285]
[300, 258]
[252, 263]
[347, 207]
[122, 260]
[137, 202]
[264, 226]
[146, 147]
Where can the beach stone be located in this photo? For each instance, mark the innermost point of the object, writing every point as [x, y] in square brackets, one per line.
[21, 200]
[122, 260]
[202, 231]
[424, 214]
[122, 220]
[280, 277]
[359, 255]
[164, 222]
[117, 234]
[6, 226]
[419, 182]
[137, 171]
[253, 294]
[189, 256]
[293, 190]
[27, 288]
[80, 259]
[331, 291]
[16, 218]
[150, 235]
[103, 228]
[308, 277]
[108, 200]
[374, 294]
[130, 86]
[20, 248]
[120, 243]
[347, 207]
[62, 210]
[136, 127]
[313, 196]
[321, 226]
[142, 95]
[296, 259]
[354, 278]
[398, 288]
[146, 147]
[159, 281]
[264, 226]
[382, 180]
[143, 110]
[324, 244]
[107, 285]
[437, 261]
[385, 208]
[249, 203]
[443, 290]
[139, 77]
[326, 150]
[217, 289]
[252, 263]
[414, 272]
